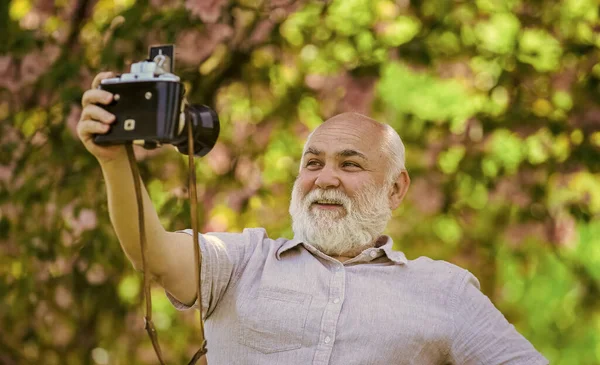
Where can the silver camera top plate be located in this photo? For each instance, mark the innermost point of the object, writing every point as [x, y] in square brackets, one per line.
[142, 72]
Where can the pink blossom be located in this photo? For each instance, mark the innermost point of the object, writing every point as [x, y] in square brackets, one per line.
[454, 70]
[426, 196]
[280, 9]
[563, 230]
[73, 119]
[219, 159]
[32, 67]
[193, 46]
[248, 172]
[263, 132]
[242, 131]
[508, 190]
[63, 297]
[87, 219]
[516, 234]
[6, 173]
[85, 78]
[5, 65]
[32, 20]
[96, 274]
[164, 4]
[209, 11]
[37, 63]
[62, 333]
[261, 32]
[359, 94]
[315, 81]
[45, 6]
[8, 71]
[39, 139]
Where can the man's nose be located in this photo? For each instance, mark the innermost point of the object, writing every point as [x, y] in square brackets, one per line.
[327, 178]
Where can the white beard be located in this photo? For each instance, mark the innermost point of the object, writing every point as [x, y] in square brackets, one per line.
[332, 232]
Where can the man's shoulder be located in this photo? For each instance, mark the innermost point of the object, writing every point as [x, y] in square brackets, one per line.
[255, 233]
[436, 271]
[427, 263]
[255, 236]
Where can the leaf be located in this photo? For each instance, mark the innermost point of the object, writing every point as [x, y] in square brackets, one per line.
[539, 49]
[499, 34]
[402, 30]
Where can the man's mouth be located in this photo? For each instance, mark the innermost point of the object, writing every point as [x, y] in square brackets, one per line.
[327, 204]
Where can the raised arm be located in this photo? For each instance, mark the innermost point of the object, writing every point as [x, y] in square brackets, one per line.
[170, 256]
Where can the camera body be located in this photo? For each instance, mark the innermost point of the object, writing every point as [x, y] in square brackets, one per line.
[150, 109]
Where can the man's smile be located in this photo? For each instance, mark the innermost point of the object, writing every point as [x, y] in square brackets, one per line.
[327, 204]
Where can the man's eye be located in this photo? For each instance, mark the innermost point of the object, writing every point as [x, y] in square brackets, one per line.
[350, 164]
[312, 163]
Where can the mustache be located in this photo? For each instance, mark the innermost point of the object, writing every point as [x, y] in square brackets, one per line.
[327, 196]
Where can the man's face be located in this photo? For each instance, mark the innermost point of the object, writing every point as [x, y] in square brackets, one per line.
[340, 203]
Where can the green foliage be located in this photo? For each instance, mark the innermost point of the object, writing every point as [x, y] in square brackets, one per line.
[499, 34]
[425, 96]
[540, 49]
[496, 102]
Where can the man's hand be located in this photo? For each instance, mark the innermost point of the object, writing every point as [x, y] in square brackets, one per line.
[96, 120]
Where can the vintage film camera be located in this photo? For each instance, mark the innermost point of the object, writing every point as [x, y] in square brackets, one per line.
[150, 109]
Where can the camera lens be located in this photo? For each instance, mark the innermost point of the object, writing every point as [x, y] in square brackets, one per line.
[205, 129]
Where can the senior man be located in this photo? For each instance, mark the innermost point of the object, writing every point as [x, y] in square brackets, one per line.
[337, 293]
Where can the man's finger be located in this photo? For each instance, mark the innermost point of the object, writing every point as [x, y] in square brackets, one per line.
[96, 96]
[96, 113]
[88, 127]
[101, 76]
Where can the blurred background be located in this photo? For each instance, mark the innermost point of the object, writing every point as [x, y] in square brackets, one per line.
[496, 101]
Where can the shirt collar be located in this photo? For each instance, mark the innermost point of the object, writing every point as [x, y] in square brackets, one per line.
[287, 246]
[396, 256]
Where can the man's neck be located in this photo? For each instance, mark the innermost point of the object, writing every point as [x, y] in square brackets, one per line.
[342, 258]
[349, 255]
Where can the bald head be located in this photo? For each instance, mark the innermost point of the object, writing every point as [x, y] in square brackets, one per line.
[381, 134]
[356, 119]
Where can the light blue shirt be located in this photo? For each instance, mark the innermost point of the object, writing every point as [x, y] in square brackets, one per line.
[284, 302]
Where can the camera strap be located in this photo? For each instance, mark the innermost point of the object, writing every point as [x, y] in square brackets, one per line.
[148, 324]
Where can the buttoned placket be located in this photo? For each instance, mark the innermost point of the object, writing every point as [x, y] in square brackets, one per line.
[331, 315]
[337, 285]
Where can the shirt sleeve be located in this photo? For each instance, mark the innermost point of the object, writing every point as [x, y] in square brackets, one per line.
[224, 256]
[481, 334]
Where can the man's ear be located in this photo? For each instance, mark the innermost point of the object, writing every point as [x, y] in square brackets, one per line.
[399, 189]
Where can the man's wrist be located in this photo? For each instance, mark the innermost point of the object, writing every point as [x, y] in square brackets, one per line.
[116, 162]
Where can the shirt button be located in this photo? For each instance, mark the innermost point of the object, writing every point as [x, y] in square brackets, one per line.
[327, 339]
[373, 254]
[336, 300]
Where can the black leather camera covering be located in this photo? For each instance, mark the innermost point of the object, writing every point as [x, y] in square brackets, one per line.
[156, 119]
